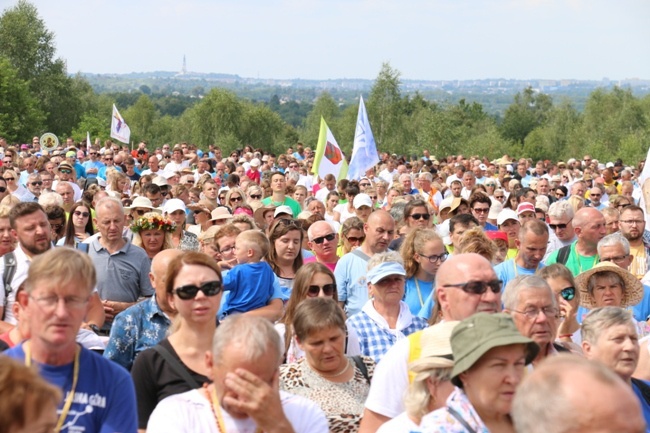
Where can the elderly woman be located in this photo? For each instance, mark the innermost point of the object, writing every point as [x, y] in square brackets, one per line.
[430, 384]
[423, 252]
[314, 280]
[285, 258]
[384, 318]
[175, 210]
[490, 356]
[608, 285]
[338, 384]
[560, 278]
[152, 232]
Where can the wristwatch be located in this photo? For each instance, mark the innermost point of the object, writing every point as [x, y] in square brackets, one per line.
[94, 328]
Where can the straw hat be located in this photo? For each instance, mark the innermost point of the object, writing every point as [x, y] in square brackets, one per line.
[220, 213]
[142, 202]
[632, 292]
[259, 214]
[436, 348]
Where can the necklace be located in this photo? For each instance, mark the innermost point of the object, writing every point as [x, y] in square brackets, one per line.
[216, 410]
[337, 374]
[75, 376]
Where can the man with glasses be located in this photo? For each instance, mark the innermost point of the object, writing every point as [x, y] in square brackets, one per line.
[92, 165]
[479, 204]
[533, 307]
[531, 244]
[632, 225]
[595, 197]
[582, 255]
[323, 241]
[465, 284]
[561, 232]
[34, 187]
[109, 162]
[28, 168]
[98, 394]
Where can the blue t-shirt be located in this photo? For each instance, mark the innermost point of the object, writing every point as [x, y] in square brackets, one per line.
[104, 400]
[509, 270]
[645, 407]
[250, 286]
[427, 308]
[415, 298]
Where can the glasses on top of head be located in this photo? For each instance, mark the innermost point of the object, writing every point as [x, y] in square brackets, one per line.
[289, 222]
[478, 287]
[328, 290]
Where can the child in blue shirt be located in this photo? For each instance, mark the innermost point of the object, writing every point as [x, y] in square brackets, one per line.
[250, 282]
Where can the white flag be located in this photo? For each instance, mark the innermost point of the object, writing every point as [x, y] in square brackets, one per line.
[364, 150]
[88, 140]
[119, 129]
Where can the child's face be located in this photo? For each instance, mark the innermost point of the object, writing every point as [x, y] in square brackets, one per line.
[241, 252]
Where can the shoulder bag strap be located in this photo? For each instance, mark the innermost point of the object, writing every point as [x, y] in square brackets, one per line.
[461, 420]
[8, 276]
[361, 366]
[176, 365]
[563, 255]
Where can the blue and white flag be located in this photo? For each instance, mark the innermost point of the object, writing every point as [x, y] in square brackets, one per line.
[119, 129]
[364, 150]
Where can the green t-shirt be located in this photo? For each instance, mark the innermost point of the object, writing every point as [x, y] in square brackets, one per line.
[288, 201]
[575, 262]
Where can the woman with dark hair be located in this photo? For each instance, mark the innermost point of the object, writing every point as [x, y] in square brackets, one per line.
[194, 288]
[314, 280]
[56, 217]
[346, 210]
[286, 236]
[331, 202]
[79, 226]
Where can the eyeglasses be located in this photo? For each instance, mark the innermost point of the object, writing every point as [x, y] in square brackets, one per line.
[559, 226]
[373, 197]
[235, 199]
[227, 249]
[330, 237]
[633, 222]
[9, 178]
[35, 183]
[82, 214]
[328, 290]
[417, 216]
[435, 258]
[354, 239]
[499, 197]
[616, 259]
[65, 171]
[478, 287]
[189, 291]
[256, 196]
[106, 158]
[51, 301]
[533, 313]
[568, 293]
[481, 209]
[364, 184]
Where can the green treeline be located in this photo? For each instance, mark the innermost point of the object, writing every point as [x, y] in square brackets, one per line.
[37, 95]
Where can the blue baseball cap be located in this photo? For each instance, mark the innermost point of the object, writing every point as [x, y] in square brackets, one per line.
[384, 270]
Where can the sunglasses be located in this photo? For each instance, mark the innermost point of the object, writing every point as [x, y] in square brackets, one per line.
[35, 183]
[9, 178]
[236, 199]
[481, 209]
[189, 291]
[290, 222]
[140, 211]
[328, 290]
[56, 227]
[83, 214]
[478, 287]
[168, 157]
[108, 159]
[364, 184]
[568, 293]
[256, 196]
[373, 197]
[65, 171]
[499, 197]
[355, 239]
[330, 237]
[558, 226]
[418, 216]
[222, 197]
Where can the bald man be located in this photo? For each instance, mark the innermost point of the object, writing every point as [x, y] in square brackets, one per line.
[323, 241]
[455, 278]
[350, 271]
[144, 324]
[582, 255]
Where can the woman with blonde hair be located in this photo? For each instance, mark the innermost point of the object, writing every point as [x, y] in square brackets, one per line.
[119, 182]
[7, 238]
[476, 241]
[352, 235]
[153, 233]
[423, 252]
[11, 178]
[235, 198]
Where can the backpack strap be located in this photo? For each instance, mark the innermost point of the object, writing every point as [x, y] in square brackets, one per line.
[358, 361]
[563, 255]
[176, 366]
[8, 276]
[361, 254]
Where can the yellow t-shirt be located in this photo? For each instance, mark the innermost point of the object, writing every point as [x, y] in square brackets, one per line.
[639, 265]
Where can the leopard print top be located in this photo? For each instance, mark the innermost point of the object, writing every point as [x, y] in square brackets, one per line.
[343, 403]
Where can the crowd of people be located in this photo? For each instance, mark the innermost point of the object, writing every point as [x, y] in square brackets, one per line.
[178, 289]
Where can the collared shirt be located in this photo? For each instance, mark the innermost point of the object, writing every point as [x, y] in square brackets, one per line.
[135, 329]
[375, 335]
[442, 421]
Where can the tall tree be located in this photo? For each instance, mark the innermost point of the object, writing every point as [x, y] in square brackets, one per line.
[384, 105]
[528, 111]
[18, 109]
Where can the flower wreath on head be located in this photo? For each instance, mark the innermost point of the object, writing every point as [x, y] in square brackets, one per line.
[153, 222]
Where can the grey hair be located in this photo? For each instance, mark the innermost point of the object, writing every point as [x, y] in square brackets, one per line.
[543, 402]
[560, 209]
[610, 276]
[388, 256]
[107, 201]
[418, 397]
[612, 240]
[293, 175]
[524, 282]
[603, 318]
[397, 210]
[425, 175]
[404, 176]
[255, 335]
[50, 199]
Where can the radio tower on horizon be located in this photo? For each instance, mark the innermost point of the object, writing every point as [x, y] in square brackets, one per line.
[184, 70]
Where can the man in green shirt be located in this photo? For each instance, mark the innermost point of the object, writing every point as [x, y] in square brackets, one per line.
[279, 198]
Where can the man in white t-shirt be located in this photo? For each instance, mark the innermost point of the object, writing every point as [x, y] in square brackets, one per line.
[244, 394]
[390, 379]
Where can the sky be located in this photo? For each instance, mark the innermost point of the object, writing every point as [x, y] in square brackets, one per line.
[328, 39]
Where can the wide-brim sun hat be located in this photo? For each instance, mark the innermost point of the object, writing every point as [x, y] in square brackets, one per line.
[259, 214]
[632, 292]
[475, 336]
[220, 213]
[435, 343]
[142, 203]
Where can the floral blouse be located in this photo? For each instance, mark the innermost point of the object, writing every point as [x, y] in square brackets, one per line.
[442, 420]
